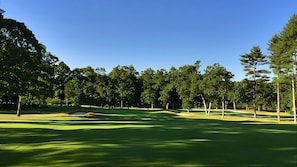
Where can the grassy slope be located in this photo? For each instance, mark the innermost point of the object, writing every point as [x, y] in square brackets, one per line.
[136, 138]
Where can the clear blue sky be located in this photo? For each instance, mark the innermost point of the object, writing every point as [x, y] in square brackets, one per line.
[152, 33]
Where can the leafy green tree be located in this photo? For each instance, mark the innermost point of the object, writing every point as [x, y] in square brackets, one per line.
[22, 58]
[186, 82]
[105, 88]
[215, 84]
[207, 86]
[286, 95]
[73, 90]
[283, 48]
[252, 63]
[159, 78]
[152, 85]
[246, 93]
[62, 76]
[148, 94]
[164, 93]
[124, 78]
[168, 95]
[279, 62]
[109, 91]
[266, 96]
[90, 85]
[289, 35]
[137, 93]
[234, 94]
[46, 79]
[44, 87]
[224, 85]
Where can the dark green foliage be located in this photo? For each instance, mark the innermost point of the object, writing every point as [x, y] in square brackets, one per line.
[73, 91]
[168, 95]
[26, 67]
[124, 78]
[253, 62]
[265, 95]
[62, 76]
[215, 84]
[149, 92]
[253, 66]
[234, 94]
[186, 84]
[280, 62]
[22, 55]
[283, 50]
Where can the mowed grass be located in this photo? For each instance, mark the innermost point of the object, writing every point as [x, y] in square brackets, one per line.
[143, 138]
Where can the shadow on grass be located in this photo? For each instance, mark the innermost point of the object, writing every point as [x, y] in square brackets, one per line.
[151, 139]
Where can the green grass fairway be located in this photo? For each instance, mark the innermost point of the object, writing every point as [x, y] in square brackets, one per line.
[142, 138]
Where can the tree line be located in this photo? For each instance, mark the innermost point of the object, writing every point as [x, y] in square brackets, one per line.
[32, 75]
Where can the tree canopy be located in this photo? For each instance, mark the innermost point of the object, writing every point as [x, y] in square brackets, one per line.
[28, 70]
[253, 66]
[26, 64]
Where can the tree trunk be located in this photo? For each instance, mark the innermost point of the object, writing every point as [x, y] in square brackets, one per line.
[278, 101]
[293, 87]
[254, 91]
[204, 104]
[259, 108]
[234, 105]
[209, 107]
[167, 106]
[293, 99]
[19, 106]
[255, 111]
[122, 103]
[152, 105]
[226, 105]
[121, 95]
[223, 108]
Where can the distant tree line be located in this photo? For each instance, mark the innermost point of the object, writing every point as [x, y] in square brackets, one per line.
[33, 76]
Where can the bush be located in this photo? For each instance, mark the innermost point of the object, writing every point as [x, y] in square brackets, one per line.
[55, 100]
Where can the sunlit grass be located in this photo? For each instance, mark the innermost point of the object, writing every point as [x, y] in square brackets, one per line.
[59, 126]
[144, 138]
[247, 111]
[233, 118]
[35, 116]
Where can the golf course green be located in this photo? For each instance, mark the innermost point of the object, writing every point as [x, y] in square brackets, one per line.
[98, 137]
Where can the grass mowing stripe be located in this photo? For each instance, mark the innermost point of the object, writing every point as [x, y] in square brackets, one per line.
[71, 127]
[146, 139]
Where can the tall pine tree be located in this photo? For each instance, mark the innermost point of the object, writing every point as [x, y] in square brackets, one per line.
[279, 62]
[289, 36]
[252, 63]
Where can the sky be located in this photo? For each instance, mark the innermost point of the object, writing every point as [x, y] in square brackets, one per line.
[152, 33]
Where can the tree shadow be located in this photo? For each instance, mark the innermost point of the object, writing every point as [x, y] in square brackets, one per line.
[150, 139]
